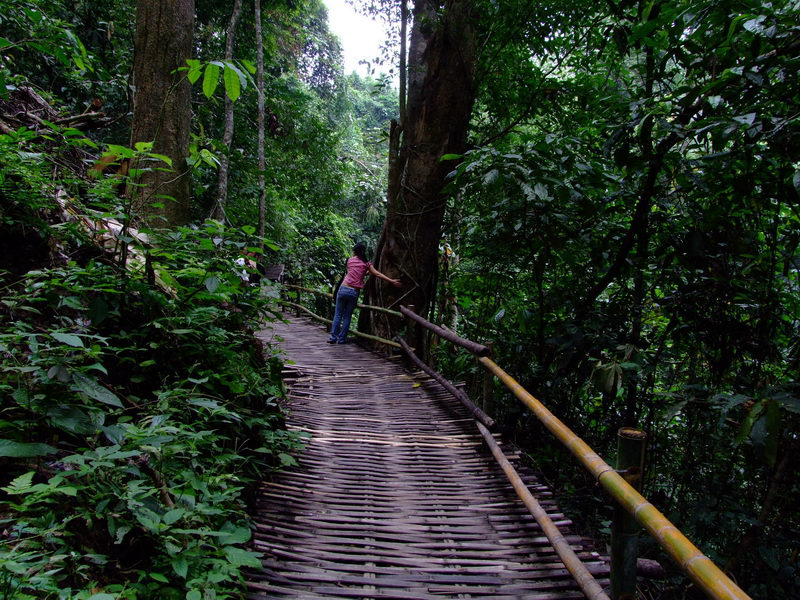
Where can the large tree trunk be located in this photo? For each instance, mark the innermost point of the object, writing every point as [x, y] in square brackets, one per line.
[161, 108]
[218, 212]
[441, 66]
[262, 165]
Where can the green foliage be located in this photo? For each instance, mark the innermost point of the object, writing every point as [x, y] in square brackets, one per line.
[28, 28]
[367, 107]
[325, 134]
[74, 51]
[235, 77]
[137, 406]
[316, 251]
[625, 231]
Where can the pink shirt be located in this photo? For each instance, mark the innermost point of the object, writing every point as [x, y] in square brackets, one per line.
[357, 269]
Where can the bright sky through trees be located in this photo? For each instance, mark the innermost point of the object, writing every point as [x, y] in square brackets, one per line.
[360, 36]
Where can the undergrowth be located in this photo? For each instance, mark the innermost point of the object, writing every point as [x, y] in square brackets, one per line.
[137, 404]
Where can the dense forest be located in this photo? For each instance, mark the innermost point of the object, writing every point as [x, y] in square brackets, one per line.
[607, 193]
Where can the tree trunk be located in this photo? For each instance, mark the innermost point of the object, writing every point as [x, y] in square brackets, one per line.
[227, 136]
[441, 68]
[262, 190]
[403, 59]
[396, 127]
[162, 109]
[750, 538]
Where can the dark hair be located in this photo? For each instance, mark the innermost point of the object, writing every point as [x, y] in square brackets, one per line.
[360, 250]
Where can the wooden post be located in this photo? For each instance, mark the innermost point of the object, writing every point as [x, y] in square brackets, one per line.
[487, 388]
[409, 333]
[624, 529]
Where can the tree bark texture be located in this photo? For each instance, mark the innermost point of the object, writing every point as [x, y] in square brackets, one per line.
[162, 109]
[227, 135]
[262, 165]
[402, 63]
[441, 92]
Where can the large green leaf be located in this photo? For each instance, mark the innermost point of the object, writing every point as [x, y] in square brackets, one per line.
[180, 566]
[14, 449]
[194, 70]
[232, 85]
[95, 390]
[750, 420]
[69, 339]
[72, 419]
[231, 534]
[239, 557]
[212, 283]
[210, 79]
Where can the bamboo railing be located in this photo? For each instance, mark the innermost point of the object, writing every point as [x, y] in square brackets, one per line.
[366, 336]
[579, 572]
[299, 307]
[572, 562]
[694, 563]
[474, 347]
[458, 394]
[380, 309]
[585, 580]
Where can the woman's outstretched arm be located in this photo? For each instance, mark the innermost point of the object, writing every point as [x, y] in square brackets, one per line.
[378, 274]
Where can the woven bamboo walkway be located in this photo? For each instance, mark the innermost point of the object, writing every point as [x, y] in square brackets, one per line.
[396, 495]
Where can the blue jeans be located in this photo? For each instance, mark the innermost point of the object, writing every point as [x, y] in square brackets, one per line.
[345, 303]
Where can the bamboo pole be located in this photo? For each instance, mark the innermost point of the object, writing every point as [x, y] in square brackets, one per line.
[474, 347]
[381, 309]
[309, 290]
[624, 529]
[589, 586]
[458, 394]
[699, 567]
[366, 336]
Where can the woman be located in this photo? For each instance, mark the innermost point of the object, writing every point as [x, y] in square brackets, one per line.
[357, 268]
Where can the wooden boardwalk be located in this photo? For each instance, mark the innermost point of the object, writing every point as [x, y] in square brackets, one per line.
[396, 495]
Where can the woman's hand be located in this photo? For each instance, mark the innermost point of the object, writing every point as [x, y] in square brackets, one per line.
[379, 275]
